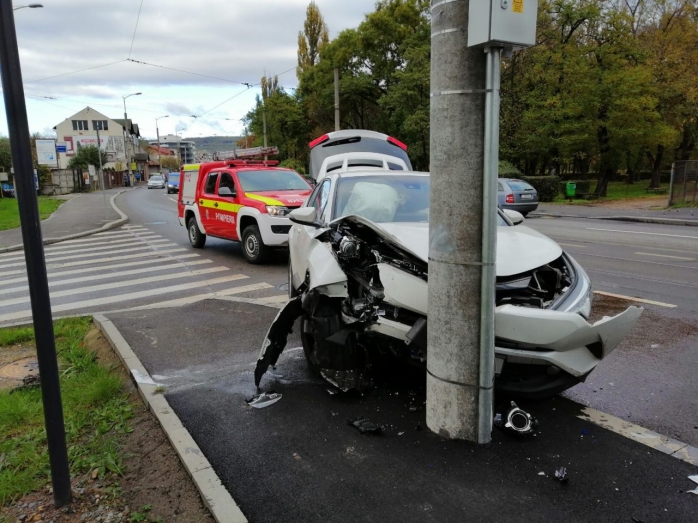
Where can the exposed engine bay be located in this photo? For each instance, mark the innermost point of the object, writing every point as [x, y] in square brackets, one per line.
[380, 309]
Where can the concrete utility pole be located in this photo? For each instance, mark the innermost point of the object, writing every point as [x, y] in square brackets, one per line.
[336, 99]
[264, 122]
[456, 261]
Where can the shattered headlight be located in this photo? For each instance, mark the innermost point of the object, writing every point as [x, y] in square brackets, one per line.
[578, 299]
[276, 210]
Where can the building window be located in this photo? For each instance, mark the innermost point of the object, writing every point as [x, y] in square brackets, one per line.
[80, 125]
[100, 125]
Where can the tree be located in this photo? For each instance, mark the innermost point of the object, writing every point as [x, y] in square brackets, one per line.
[311, 39]
[169, 162]
[87, 156]
[5, 155]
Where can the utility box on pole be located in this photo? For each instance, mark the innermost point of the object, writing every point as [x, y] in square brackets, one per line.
[502, 23]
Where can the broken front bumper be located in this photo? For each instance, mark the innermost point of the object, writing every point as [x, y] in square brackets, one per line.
[564, 339]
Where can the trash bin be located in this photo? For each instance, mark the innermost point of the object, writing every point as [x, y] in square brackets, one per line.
[570, 189]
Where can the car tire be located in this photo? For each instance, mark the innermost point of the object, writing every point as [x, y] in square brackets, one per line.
[308, 342]
[253, 248]
[532, 382]
[196, 237]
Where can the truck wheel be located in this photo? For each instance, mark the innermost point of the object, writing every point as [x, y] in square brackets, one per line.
[196, 237]
[253, 247]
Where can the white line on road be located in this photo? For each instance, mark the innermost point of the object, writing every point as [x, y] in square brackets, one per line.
[572, 245]
[126, 297]
[647, 233]
[51, 266]
[639, 300]
[103, 268]
[107, 276]
[634, 261]
[123, 236]
[172, 199]
[118, 284]
[665, 256]
[107, 241]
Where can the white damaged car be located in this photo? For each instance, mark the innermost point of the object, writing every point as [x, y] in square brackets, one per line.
[358, 273]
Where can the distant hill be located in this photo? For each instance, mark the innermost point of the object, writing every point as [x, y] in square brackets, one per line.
[209, 144]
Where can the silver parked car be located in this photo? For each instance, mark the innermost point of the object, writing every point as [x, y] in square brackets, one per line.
[517, 195]
[156, 182]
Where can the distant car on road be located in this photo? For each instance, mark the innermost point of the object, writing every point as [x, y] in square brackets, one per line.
[173, 183]
[156, 182]
[517, 195]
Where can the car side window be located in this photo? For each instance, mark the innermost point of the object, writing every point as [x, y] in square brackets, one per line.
[226, 181]
[210, 187]
[324, 196]
[501, 187]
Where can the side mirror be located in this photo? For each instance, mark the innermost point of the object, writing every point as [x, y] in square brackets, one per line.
[304, 216]
[515, 216]
[225, 191]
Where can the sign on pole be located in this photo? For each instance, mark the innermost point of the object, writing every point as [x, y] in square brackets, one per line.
[46, 152]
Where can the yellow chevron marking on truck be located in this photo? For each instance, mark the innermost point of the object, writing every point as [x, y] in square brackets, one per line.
[264, 199]
[222, 206]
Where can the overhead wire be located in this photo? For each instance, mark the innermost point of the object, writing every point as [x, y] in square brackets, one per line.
[135, 30]
[73, 72]
[187, 72]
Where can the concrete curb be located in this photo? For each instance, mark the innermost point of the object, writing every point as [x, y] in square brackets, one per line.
[214, 495]
[106, 227]
[640, 219]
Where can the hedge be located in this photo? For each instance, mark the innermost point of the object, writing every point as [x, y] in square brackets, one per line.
[508, 170]
[547, 186]
[583, 186]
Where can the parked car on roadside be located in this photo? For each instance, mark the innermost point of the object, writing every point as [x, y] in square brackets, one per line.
[156, 182]
[517, 195]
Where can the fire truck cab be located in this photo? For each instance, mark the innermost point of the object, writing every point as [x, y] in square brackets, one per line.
[241, 200]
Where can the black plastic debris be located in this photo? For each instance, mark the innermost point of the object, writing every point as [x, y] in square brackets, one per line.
[365, 426]
[415, 408]
[418, 427]
[561, 475]
[264, 400]
[516, 421]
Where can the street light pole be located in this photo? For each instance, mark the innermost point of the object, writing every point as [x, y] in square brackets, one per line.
[126, 151]
[31, 6]
[157, 130]
[18, 126]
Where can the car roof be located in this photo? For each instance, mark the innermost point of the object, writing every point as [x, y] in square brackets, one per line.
[374, 172]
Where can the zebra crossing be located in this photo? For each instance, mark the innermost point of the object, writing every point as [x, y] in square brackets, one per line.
[127, 267]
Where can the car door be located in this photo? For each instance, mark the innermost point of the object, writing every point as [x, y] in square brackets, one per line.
[303, 235]
[208, 203]
[226, 210]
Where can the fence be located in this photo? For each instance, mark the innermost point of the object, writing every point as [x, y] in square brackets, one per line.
[64, 181]
[684, 182]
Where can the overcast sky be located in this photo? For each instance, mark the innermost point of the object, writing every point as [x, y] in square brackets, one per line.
[234, 40]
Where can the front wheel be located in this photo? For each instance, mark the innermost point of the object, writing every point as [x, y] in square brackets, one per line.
[196, 237]
[253, 248]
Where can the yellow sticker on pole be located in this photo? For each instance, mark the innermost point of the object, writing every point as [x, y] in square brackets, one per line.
[517, 6]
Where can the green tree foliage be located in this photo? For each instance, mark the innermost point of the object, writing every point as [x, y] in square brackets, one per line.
[5, 155]
[610, 86]
[87, 156]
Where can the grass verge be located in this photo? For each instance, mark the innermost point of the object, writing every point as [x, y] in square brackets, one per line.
[616, 191]
[9, 212]
[95, 405]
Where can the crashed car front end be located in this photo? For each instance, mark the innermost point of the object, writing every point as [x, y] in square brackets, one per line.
[374, 299]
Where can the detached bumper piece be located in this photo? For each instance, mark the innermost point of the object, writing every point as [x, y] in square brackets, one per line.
[277, 336]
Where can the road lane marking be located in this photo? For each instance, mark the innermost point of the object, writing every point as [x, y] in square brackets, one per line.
[117, 285]
[172, 199]
[634, 260]
[572, 245]
[665, 256]
[647, 233]
[80, 263]
[559, 239]
[103, 268]
[639, 300]
[672, 447]
[643, 278]
[107, 276]
[125, 297]
[107, 241]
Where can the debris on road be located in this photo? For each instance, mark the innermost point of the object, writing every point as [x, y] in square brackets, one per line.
[365, 426]
[517, 421]
[264, 400]
[695, 480]
[561, 475]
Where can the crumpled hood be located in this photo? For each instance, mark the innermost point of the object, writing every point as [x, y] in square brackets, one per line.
[519, 249]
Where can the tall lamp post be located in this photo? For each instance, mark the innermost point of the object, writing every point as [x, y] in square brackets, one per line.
[157, 130]
[126, 151]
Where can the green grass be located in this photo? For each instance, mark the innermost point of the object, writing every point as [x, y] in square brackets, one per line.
[95, 406]
[616, 191]
[9, 212]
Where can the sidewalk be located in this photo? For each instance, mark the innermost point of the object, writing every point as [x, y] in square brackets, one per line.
[82, 213]
[299, 460]
[686, 216]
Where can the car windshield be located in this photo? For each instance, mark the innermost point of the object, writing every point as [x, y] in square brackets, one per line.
[518, 185]
[174, 177]
[258, 180]
[155, 178]
[386, 198]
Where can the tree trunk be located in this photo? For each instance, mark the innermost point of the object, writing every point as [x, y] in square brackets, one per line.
[688, 143]
[656, 162]
[630, 168]
[606, 168]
